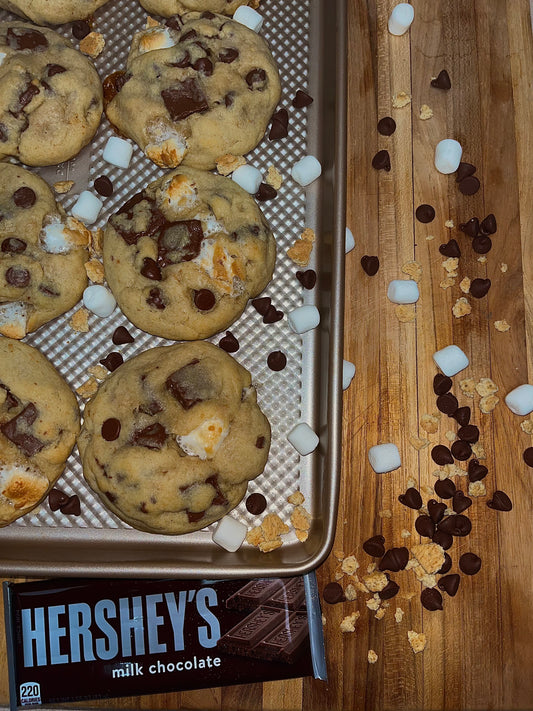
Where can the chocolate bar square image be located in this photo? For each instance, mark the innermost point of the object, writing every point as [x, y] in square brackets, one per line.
[275, 592]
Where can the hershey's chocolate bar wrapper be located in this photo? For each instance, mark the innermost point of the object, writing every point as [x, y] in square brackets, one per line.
[72, 640]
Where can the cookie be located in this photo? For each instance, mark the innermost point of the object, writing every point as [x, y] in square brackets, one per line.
[183, 256]
[172, 438]
[50, 96]
[39, 424]
[42, 254]
[55, 12]
[195, 89]
[167, 8]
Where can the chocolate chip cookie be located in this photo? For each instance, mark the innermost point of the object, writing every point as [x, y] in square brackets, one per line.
[195, 89]
[172, 438]
[167, 8]
[55, 12]
[39, 424]
[183, 256]
[42, 254]
[50, 96]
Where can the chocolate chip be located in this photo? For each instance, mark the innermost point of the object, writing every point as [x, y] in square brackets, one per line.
[436, 510]
[276, 360]
[461, 450]
[375, 546]
[450, 584]
[390, 590]
[272, 315]
[381, 161]
[333, 593]
[445, 488]
[80, 29]
[481, 244]
[26, 38]
[57, 499]
[470, 228]
[256, 504]
[446, 566]
[121, 336]
[450, 249]
[229, 343]
[386, 126]
[203, 65]
[476, 471]
[279, 126]
[265, 192]
[103, 186]
[111, 429]
[307, 279]
[479, 288]
[260, 442]
[112, 361]
[469, 433]
[456, 525]
[155, 299]
[256, 79]
[500, 502]
[113, 83]
[425, 526]
[195, 516]
[431, 599]
[72, 507]
[464, 170]
[411, 498]
[425, 213]
[53, 69]
[461, 502]
[447, 404]
[191, 384]
[488, 225]
[470, 563]
[184, 99]
[441, 384]
[301, 100]
[18, 277]
[528, 456]
[444, 539]
[227, 55]
[17, 431]
[261, 304]
[13, 245]
[469, 185]
[370, 265]
[152, 437]
[204, 299]
[442, 81]
[462, 415]
[395, 559]
[24, 197]
[441, 455]
[150, 269]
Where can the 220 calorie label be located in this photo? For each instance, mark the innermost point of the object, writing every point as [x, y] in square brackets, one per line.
[30, 693]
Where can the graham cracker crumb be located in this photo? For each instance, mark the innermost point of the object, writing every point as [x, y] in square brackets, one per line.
[400, 100]
[273, 177]
[376, 581]
[348, 623]
[411, 483]
[373, 603]
[488, 403]
[405, 533]
[150, 22]
[296, 499]
[380, 614]
[300, 519]
[97, 237]
[429, 555]
[430, 237]
[413, 269]
[350, 592]
[478, 450]
[486, 386]
[468, 387]
[425, 112]
[476, 488]
[450, 436]
[349, 565]
[527, 426]
[95, 271]
[464, 285]
[268, 546]
[323, 620]
[255, 536]
[453, 470]
[79, 321]
[339, 555]
[385, 513]
[482, 259]
[461, 307]
[98, 372]
[308, 235]
[63, 186]
[398, 615]
[428, 580]
[447, 283]
[439, 474]
[300, 252]
[372, 656]
[449, 224]
[273, 526]
[501, 326]
[88, 388]
[405, 313]
[411, 563]
[450, 265]
[428, 491]
[418, 442]
[429, 423]
[370, 568]
[503, 267]
[417, 640]
[301, 535]
[77, 233]
[227, 163]
[92, 45]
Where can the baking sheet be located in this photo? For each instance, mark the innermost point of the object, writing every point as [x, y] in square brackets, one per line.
[97, 543]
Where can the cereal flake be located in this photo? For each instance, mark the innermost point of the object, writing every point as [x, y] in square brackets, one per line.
[227, 163]
[273, 177]
[79, 321]
[98, 372]
[88, 388]
[300, 252]
[450, 265]
[429, 423]
[349, 565]
[372, 656]
[468, 387]
[503, 267]
[398, 615]
[350, 593]
[63, 186]
[413, 269]
[300, 519]
[476, 488]
[296, 499]
[405, 313]
[93, 44]
[376, 581]
[449, 224]
[488, 403]
[464, 284]
[348, 623]
[527, 426]
[486, 386]
[417, 640]
[502, 326]
[400, 100]
[418, 442]
[461, 307]
[478, 450]
[429, 555]
[95, 271]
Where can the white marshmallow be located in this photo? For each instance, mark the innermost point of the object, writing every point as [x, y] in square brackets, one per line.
[448, 155]
[520, 400]
[403, 291]
[118, 152]
[304, 318]
[384, 458]
[99, 300]
[450, 360]
[229, 533]
[303, 439]
[13, 319]
[53, 238]
[248, 177]
[401, 18]
[205, 440]
[306, 170]
[348, 371]
[87, 207]
[2, 57]
[349, 243]
[249, 17]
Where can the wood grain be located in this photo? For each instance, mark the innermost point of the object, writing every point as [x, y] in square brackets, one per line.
[479, 652]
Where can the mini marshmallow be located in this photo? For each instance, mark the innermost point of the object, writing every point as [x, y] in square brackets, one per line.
[87, 207]
[450, 360]
[304, 318]
[306, 170]
[303, 439]
[384, 458]
[2, 57]
[249, 17]
[99, 300]
[13, 319]
[401, 18]
[348, 371]
[53, 238]
[349, 243]
[520, 400]
[229, 533]
[403, 291]
[248, 177]
[448, 156]
[118, 152]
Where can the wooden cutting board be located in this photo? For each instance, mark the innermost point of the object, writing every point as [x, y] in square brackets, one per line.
[479, 651]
